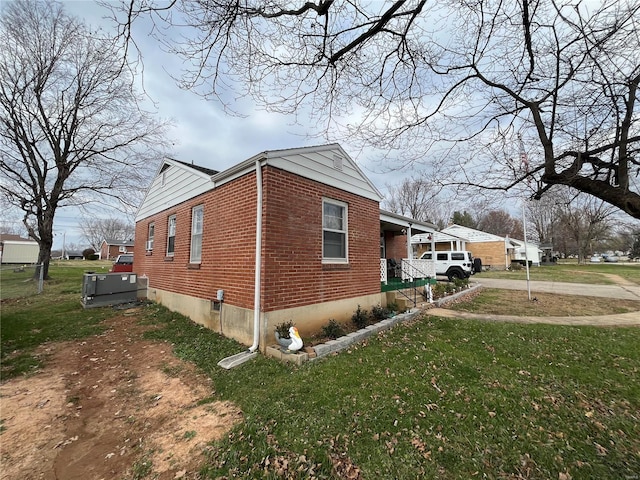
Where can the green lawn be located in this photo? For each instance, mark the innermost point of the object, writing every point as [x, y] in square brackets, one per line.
[436, 398]
[433, 399]
[29, 320]
[597, 273]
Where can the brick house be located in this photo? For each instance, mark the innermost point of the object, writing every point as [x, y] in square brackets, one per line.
[493, 250]
[285, 235]
[110, 248]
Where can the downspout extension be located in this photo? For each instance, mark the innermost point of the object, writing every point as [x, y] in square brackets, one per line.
[258, 267]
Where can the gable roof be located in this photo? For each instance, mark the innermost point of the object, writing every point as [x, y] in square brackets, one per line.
[14, 238]
[177, 182]
[472, 235]
[437, 237]
[204, 170]
[328, 164]
[114, 241]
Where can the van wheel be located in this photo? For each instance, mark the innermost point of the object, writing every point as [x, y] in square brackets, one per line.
[454, 274]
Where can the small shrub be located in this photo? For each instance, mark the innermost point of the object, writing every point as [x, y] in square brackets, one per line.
[379, 313]
[460, 282]
[392, 306]
[438, 290]
[332, 330]
[283, 329]
[360, 317]
[87, 253]
[516, 267]
[442, 289]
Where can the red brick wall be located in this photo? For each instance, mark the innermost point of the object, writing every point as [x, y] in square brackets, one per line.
[228, 248]
[292, 270]
[396, 246]
[294, 274]
[111, 252]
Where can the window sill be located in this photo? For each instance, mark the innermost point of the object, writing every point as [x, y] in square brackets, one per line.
[193, 266]
[335, 266]
[148, 253]
[168, 259]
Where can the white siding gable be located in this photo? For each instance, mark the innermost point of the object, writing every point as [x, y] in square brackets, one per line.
[327, 164]
[175, 183]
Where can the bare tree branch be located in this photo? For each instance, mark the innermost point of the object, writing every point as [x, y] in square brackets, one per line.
[71, 130]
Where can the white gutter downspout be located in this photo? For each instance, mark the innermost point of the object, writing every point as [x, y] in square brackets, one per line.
[257, 280]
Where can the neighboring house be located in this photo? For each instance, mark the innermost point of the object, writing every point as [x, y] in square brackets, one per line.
[533, 253]
[494, 251]
[110, 248]
[289, 235]
[15, 249]
[73, 255]
[437, 241]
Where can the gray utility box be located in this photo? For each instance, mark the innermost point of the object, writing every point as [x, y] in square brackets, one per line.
[102, 289]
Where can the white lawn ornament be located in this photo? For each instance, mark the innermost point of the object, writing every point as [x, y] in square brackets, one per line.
[292, 344]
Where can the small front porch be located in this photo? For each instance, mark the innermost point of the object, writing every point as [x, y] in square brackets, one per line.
[410, 273]
[398, 267]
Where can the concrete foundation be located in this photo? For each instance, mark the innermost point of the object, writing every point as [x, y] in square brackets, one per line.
[237, 323]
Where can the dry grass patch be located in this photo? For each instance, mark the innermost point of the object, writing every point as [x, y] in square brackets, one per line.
[515, 302]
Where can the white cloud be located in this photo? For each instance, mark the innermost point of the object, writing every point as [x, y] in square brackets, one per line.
[202, 132]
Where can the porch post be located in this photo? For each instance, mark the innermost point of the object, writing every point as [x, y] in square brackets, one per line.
[409, 249]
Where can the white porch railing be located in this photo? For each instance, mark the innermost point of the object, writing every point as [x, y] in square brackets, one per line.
[411, 269]
[417, 268]
[383, 270]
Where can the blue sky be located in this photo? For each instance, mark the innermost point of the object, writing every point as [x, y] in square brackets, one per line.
[202, 132]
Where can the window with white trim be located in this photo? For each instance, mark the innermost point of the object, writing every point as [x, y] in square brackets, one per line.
[171, 235]
[150, 235]
[334, 231]
[197, 217]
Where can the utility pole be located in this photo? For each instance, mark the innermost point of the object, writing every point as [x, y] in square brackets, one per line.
[524, 161]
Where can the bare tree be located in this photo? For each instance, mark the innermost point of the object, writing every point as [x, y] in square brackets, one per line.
[500, 222]
[10, 222]
[415, 198]
[543, 217]
[461, 84]
[95, 230]
[585, 220]
[71, 129]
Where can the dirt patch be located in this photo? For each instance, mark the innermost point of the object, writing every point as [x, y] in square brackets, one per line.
[110, 406]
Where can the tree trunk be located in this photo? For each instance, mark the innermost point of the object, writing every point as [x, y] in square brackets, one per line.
[44, 256]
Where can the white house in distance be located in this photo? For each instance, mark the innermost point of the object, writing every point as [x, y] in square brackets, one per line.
[15, 249]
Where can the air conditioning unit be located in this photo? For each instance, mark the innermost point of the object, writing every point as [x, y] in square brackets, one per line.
[149, 245]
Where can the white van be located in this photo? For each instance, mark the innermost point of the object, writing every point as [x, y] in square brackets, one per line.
[453, 264]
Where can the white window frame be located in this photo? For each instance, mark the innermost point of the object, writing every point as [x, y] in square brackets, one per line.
[197, 226]
[343, 231]
[122, 249]
[151, 232]
[171, 232]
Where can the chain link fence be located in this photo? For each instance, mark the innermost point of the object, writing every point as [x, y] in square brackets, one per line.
[18, 281]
